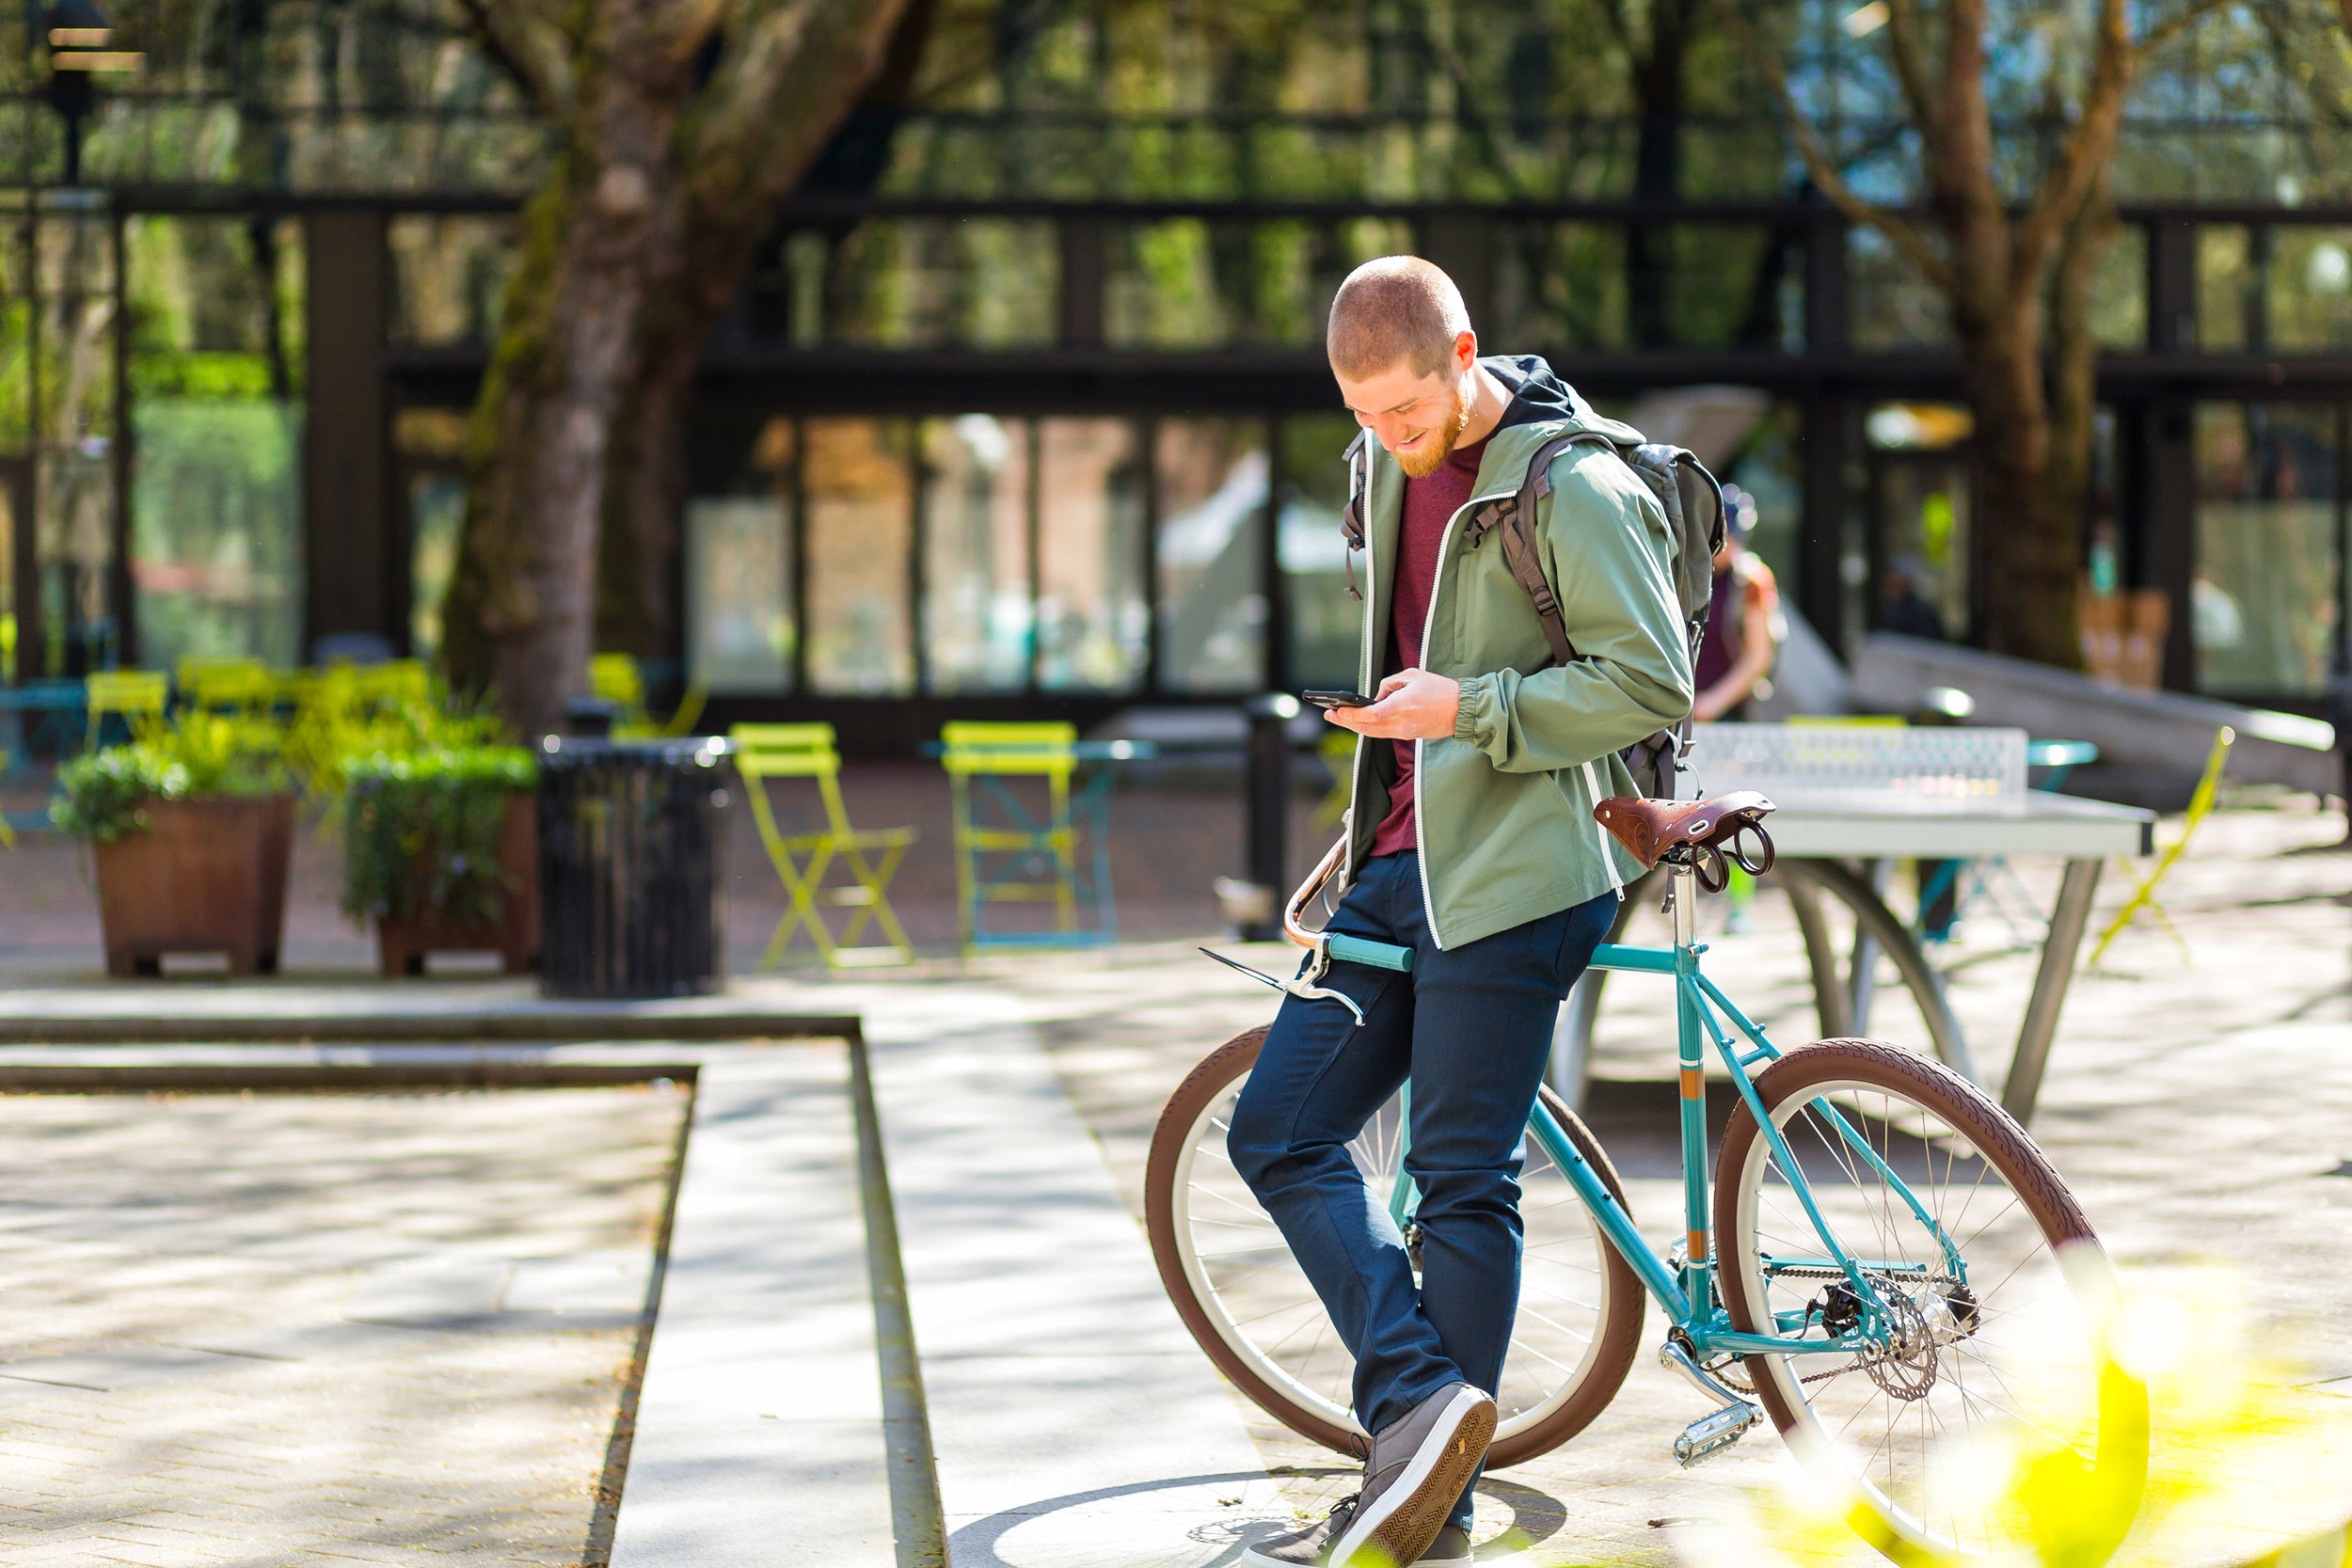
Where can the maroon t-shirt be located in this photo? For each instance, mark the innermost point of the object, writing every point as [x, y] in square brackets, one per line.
[1429, 505]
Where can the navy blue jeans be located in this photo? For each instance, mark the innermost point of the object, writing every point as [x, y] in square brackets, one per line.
[1472, 1026]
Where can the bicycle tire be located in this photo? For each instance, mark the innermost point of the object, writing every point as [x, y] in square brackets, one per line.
[1859, 1069]
[1572, 1405]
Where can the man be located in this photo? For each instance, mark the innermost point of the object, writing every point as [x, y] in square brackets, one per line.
[1472, 841]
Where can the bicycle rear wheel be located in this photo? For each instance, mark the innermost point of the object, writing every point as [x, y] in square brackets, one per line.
[1251, 1308]
[1999, 1348]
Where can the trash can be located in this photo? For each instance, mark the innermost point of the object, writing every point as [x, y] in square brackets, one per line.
[630, 836]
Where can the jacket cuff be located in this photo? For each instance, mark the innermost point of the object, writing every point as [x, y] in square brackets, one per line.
[1474, 718]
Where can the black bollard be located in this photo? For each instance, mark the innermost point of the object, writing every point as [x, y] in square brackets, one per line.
[1270, 805]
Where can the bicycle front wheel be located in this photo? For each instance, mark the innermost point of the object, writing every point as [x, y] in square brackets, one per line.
[1992, 1285]
[1251, 1308]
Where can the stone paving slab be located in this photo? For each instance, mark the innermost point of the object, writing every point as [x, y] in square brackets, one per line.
[1072, 1419]
[759, 1432]
[179, 1381]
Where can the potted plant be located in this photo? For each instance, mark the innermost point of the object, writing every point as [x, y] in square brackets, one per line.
[190, 830]
[441, 848]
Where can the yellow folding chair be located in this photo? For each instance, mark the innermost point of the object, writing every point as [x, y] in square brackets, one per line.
[217, 685]
[134, 696]
[803, 861]
[395, 683]
[617, 679]
[2144, 897]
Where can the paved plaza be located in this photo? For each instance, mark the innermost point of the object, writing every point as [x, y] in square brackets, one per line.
[286, 1329]
[391, 1327]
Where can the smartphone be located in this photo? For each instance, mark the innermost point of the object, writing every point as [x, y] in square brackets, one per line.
[1337, 699]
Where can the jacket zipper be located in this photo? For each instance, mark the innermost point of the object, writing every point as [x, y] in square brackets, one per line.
[1436, 582]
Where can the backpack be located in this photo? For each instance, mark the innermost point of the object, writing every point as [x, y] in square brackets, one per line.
[1693, 504]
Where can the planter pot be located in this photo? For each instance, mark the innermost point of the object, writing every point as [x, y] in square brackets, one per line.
[401, 945]
[206, 876]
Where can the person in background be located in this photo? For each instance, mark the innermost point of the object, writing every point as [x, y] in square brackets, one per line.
[1744, 627]
[1906, 609]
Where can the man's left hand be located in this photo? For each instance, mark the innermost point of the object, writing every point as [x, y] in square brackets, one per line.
[1413, 705]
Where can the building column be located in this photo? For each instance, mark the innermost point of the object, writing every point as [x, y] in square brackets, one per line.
[1825, 421]
[352, 580]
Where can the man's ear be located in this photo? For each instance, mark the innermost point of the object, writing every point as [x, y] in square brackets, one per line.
[1465, 351]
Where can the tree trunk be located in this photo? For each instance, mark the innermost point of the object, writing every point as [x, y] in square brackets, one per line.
[519, 612]
[2075, 364]
[678, 140]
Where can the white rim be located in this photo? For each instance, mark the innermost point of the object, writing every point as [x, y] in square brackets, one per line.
[1813, 1439]
[1210, 1124]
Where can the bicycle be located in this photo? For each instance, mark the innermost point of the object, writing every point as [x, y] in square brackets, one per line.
[1885, 1266]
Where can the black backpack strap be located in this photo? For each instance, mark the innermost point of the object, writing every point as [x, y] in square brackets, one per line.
[1515, 516]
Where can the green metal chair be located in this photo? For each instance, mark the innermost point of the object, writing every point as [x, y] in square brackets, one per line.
[803, 861]
[1007, 853]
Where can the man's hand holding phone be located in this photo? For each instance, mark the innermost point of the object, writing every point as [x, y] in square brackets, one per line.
[1412, 705]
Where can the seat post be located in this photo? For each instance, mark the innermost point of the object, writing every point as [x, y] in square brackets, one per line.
[1682, 891]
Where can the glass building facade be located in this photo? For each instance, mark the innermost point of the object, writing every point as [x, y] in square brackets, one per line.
[1023, 406]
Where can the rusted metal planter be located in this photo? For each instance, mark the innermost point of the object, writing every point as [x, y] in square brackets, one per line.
[402, 945]
[204, 875]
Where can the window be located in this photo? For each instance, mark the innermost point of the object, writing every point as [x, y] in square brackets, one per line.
[858, 489]
[217, 419]
[1092, 626]
[1325, 621]
[976, 614]
[1212, 486]
[2264, 601]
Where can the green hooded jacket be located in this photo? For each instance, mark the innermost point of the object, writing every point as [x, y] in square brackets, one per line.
[1505, 806]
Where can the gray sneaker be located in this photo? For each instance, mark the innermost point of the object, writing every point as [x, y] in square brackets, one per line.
[1419, 1465]
[1452, 1549]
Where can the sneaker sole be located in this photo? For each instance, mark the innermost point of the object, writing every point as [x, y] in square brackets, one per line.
[1397, 1535]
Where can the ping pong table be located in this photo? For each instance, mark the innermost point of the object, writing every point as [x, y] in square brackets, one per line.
[1851, 799]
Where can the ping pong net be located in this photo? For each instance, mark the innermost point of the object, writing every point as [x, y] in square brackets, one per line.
[1859, 764]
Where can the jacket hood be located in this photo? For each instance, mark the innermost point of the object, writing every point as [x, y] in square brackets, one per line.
[1538, 396]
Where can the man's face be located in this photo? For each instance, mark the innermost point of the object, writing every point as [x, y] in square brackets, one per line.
[1417, 417]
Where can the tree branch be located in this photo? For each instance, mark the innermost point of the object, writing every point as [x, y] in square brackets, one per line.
[533, 48]
[1908, 50]
[1901, 232]
[2083, 157]
[2173, 27]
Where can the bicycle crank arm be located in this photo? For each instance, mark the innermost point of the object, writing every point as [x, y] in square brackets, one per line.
[1675, 1359]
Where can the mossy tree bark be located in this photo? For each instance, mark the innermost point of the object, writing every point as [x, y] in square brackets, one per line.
[1992, 257]
[681, 123]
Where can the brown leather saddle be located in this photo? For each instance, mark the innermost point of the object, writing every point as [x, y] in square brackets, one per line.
[1654, 829]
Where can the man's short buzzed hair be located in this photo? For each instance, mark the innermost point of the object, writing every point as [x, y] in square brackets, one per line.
[1398, 310]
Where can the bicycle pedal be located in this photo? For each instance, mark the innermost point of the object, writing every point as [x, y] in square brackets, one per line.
[1711, 1435]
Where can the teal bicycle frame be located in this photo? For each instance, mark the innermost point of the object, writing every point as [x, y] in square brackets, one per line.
[1689, 1295]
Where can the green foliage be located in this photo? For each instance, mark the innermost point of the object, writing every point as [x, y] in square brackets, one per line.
[103, 796]
[337, 730]
[421, 830]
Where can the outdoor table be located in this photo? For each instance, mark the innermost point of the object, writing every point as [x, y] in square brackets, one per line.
[39, 698]
[1835, 832]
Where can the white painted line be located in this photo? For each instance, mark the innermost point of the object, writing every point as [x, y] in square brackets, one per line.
[759, 1435]
[1072, 1418]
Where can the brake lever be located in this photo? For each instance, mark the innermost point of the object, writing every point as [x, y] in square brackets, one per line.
[1303, 987]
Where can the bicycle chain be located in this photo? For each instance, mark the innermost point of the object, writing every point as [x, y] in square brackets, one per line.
[1732, 1369]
